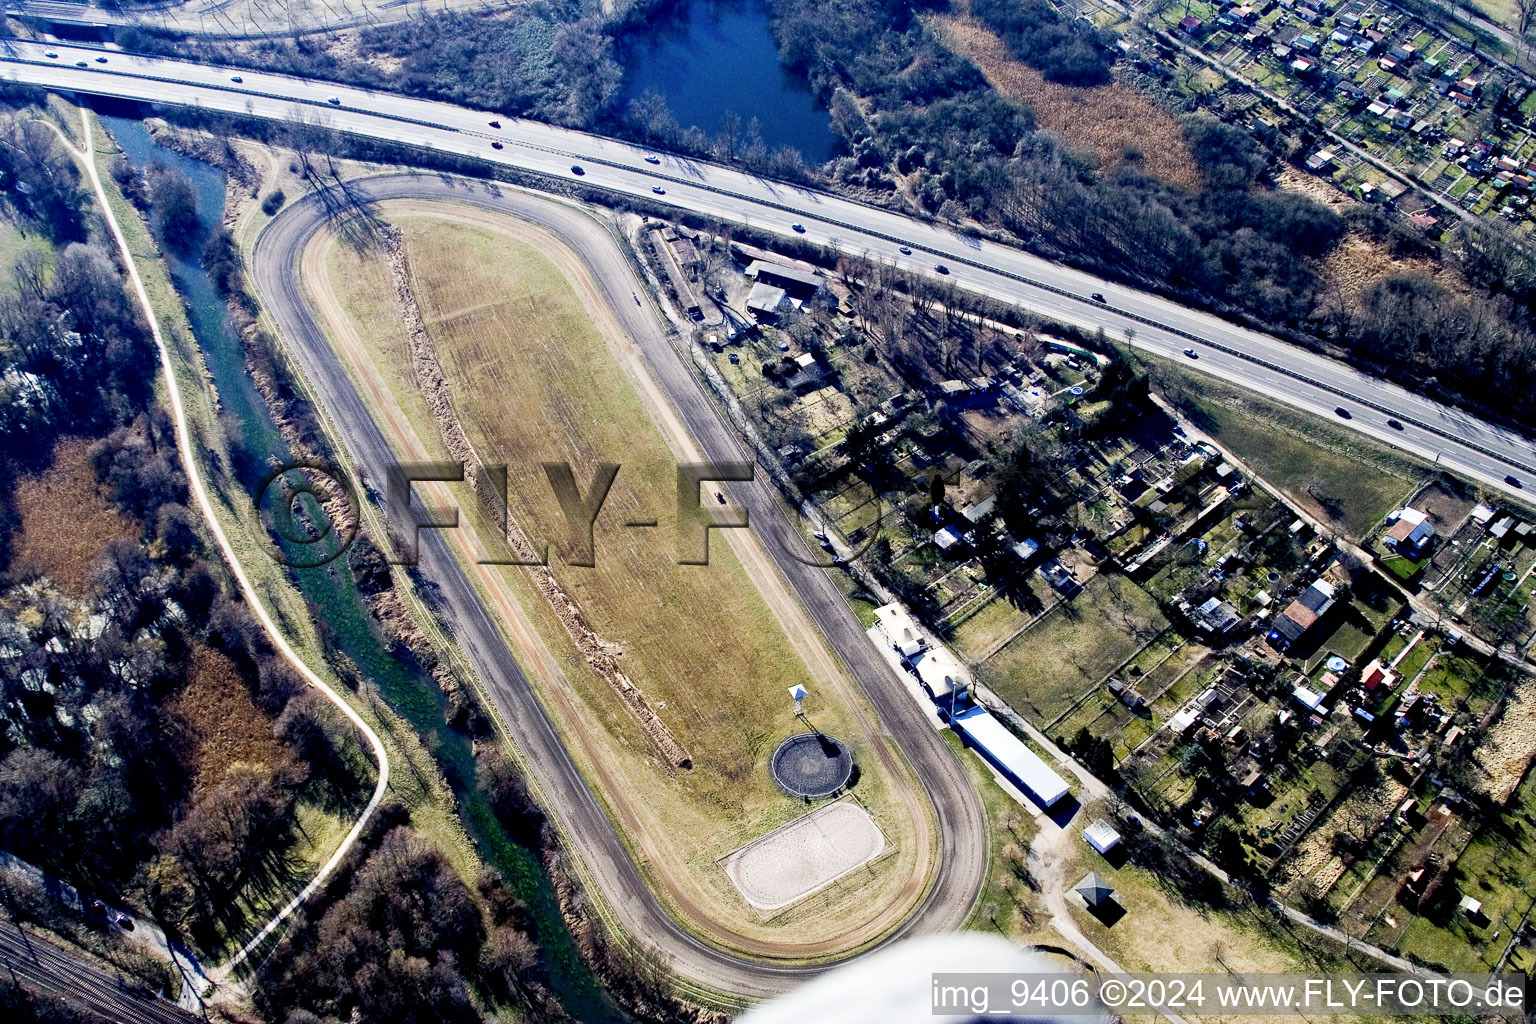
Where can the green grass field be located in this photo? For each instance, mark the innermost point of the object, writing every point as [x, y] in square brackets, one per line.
[1346, 481]
[1081, 641]
[533, 379]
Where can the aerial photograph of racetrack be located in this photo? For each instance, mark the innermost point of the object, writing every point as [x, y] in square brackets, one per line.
[675, 511]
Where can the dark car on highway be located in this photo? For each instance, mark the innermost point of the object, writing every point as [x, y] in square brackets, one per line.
[1394, 424]
[1340, 410]
[1513, 482]
[941, 268]
[576, 169]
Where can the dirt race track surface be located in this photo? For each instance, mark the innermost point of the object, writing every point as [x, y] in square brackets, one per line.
[960, 859]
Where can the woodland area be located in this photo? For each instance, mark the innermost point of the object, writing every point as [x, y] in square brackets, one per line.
[101, 781]
[155, 750]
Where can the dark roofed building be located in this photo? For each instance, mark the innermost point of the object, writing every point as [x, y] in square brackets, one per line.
[802, 284]
[1094, 890]
[1302, 614]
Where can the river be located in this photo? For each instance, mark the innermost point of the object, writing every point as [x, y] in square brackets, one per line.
[409, 690]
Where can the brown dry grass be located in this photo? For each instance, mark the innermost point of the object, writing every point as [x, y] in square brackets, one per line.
[1505, 753]
[1107, 121]
[65, 518]
[227, 728]
[1356, 263]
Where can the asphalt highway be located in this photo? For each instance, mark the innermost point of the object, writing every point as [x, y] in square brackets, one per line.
[1436, 432]
[961, 822]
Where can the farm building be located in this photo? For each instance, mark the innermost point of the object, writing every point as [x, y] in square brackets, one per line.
[675, 275]
[799, 283]
[1008, 754]
[765, 300]
[941, 674]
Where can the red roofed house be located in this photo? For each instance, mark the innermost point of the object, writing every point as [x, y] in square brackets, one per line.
[1377, 675]
[1410, 533]
[1302, 614]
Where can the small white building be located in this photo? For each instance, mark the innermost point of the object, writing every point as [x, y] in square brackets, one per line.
[1410, 532]
[949, 537]
[1308, 698]
[899, 630]
[1101, 835]
[941, 674]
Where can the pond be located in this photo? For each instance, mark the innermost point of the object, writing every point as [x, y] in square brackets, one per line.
[332, 591]
[713, 58]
